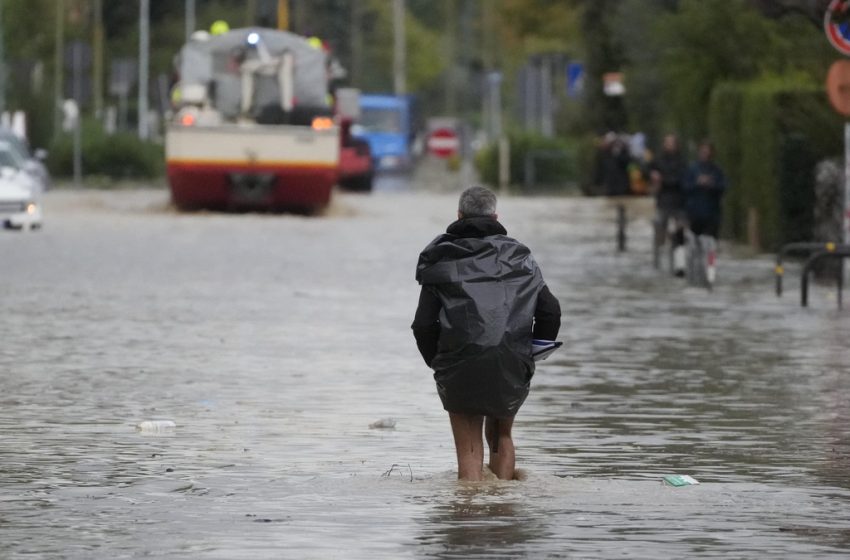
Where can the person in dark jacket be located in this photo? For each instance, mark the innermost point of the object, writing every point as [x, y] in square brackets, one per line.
[667, 175]
[612, 166]
[482, 301]
[705, 184]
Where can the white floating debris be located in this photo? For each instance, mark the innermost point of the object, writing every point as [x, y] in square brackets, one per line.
[156, 426]
[383, 424]
[680, 480]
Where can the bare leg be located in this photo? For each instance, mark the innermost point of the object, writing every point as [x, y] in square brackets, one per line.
[466, 429]
[503, 461]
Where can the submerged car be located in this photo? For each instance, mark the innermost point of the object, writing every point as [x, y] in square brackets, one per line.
[20, 206]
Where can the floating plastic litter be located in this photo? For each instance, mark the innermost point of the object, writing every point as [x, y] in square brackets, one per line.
[152, 426]
[680, 480]
[383, 424]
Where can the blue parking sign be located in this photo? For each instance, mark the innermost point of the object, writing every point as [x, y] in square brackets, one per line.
[575, 79]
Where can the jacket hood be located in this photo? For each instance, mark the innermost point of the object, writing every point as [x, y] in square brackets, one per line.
[473, 249]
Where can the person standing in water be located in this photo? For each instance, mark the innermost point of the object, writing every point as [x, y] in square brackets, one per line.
[482, 301]
[667, 175]
[704, 186]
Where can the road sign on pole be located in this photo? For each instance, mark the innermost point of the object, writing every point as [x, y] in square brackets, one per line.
[443, 143]
[836, 24]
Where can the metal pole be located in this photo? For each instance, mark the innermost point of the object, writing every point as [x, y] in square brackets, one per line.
[846, 224]
[190, 18]
[3, 73]
[504, 164]
[496, 104]
[356, 43]
[399, 44]
[59, 67]
[250, 13]
[78, 94]
[546, 126]
[144, 51]
[283, 14]
[450, 100]
[97, 71]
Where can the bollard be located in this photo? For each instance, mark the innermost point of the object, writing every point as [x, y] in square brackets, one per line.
[621, 227]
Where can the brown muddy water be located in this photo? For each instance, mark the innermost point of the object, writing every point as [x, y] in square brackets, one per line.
[272, 342]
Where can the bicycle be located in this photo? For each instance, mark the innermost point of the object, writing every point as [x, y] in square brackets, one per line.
[701, 267]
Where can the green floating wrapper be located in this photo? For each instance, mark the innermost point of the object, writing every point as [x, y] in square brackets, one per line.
[680, 480]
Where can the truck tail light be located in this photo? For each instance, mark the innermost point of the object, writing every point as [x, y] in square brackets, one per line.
[322, 123]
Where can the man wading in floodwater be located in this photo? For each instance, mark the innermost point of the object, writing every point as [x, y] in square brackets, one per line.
[482, 299]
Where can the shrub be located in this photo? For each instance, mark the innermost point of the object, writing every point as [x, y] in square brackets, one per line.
[770, 133]
[554, 161]
[119, 156]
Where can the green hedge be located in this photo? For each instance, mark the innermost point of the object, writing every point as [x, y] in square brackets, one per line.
[555, 165]
[119, 156]
[769, 134]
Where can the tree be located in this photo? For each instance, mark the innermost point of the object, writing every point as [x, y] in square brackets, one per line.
[707, 42]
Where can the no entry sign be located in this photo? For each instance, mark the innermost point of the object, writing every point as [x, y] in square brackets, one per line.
[836, 24]
[443, 143]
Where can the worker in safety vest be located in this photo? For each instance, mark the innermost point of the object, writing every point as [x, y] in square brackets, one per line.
[219, 27]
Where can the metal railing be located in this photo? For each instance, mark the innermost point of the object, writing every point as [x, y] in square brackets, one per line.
[836, 252]
[799, 248]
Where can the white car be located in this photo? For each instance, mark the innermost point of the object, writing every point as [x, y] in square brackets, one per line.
[11, 156]
[20, 205]
[31, 161]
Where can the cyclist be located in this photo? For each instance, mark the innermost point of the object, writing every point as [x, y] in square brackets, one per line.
[667, 175]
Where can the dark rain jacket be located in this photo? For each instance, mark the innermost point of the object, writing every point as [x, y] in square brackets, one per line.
[703, 201]
[481, 292]
[672, 168]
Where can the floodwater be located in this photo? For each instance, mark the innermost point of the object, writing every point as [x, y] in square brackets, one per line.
[272, 342]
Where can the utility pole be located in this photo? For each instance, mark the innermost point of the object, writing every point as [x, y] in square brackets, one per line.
[77, 85]
[250, 13]
[97, 81]
[144, 52]
[450, 101]
[283, 15]
[2, 63]
[356, 43]
[190, 18]
[400, 48]
[58, 68]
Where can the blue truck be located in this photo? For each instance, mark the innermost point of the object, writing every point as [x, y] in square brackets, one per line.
[387, 124]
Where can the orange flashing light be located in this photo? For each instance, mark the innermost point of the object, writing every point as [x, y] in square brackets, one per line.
[322, 123]
[188, 119]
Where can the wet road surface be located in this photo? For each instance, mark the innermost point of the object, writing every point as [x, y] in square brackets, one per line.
[274, 341]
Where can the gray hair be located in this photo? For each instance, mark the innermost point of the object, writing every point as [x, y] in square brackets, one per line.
[477, 201]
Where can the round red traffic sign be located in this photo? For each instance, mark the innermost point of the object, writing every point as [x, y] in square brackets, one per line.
[443, 143]
[836, 24]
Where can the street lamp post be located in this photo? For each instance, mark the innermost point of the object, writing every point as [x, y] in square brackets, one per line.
[190, 18]
[399, 40]
[144, 51]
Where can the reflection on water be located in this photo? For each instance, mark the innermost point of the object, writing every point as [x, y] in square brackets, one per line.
[481, 520]
[273, 342]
